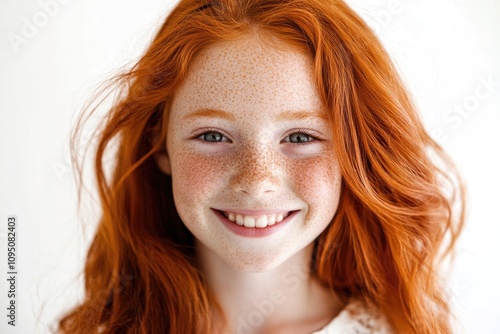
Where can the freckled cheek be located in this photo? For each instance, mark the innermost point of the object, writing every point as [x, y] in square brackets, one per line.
[196, 177]
[317, 181]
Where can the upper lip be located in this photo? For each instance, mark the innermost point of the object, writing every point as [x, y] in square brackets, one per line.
[259, 212]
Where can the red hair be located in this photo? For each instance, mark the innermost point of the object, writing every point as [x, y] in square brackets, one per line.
[401, 203]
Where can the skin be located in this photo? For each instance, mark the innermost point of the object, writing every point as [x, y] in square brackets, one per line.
[256, 165]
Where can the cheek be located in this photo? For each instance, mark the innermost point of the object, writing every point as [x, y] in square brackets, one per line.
[318, 182]
[195, 177]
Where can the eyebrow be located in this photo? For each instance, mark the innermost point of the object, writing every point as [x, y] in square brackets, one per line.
[210, 113]
[300, 115]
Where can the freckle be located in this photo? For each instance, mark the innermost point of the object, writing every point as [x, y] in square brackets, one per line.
[222, 85]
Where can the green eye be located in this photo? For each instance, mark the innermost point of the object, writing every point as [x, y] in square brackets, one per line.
[212, 136]
[299, 137]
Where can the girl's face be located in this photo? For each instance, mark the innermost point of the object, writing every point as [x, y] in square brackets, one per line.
[247, 144]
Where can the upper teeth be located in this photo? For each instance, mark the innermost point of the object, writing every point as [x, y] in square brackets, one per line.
[251, 221]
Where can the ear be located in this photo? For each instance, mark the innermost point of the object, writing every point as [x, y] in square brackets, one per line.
[161, 156]
[163, 162]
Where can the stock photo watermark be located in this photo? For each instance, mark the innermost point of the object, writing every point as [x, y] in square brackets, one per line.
[31, 25]
[382, 18]
[12, 270]
[291, 279]
[454, 117]
[106, 297]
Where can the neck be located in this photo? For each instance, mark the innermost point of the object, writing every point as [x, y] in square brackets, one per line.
[261, 302]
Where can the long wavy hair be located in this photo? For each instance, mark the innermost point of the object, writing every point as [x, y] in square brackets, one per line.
[401, 207]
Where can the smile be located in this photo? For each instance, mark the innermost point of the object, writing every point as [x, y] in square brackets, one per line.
[260, 221]
[251, 223]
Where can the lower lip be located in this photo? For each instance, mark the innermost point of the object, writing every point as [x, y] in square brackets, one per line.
[253, 232]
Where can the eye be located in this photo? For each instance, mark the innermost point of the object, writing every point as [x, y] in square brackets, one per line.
[299, 137]
[213, 137]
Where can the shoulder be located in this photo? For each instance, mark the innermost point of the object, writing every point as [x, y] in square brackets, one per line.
[358, 317]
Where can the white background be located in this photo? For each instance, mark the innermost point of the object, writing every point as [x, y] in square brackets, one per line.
[445, 51]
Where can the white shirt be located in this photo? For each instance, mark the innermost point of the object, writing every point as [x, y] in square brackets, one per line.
[358, 317]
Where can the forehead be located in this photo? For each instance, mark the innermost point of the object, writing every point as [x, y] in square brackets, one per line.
[248, 75]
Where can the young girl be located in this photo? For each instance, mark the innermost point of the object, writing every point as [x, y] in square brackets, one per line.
[271, 176]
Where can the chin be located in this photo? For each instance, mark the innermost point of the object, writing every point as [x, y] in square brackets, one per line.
[255, 264]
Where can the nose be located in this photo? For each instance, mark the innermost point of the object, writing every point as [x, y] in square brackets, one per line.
[256, 172]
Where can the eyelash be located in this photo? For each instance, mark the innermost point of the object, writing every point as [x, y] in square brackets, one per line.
[309, 133]
[199, 135]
